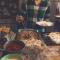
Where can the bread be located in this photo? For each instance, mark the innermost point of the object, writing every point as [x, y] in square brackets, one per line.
[27, 35]
[55, 36]
[4, 28]
[31, 39]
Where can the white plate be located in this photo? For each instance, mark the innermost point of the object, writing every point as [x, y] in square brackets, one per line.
[44, 23]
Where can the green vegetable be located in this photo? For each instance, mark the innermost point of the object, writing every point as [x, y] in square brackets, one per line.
[11, 56]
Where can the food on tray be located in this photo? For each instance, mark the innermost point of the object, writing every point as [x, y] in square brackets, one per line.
[14, 46]
[27, 35]
[34, 34]
[31, 38]
[4, 28]
[33, 42]
[45, 23]
[55, 36]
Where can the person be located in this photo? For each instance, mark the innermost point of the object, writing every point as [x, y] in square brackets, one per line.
[20, 21]
[35, 13]
[32, 12]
